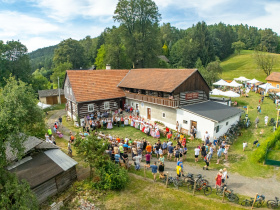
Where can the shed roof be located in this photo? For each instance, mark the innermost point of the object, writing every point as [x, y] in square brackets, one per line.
[51, 92]
[38, 170]
[212, 110]
[166, 80]
[92, 85]
[28, 144]
[61, 159]
[274, 76]
[43, 167]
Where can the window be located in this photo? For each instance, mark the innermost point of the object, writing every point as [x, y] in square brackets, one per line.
[131, 104]
[185, 121]
[90, 107]
[217, 129]
[107, 105]
[226, 123]
[277, 86]
[115, 104]
[163, 115]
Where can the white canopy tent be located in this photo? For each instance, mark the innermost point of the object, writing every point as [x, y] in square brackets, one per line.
[43, 106]
[241, 79]
[230, 94]
[253, 81]
[234, 84]
[216, 92]
[267, 86]
[278, 94]
[221, 82]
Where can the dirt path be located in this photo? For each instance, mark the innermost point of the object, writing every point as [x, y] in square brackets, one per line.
[240, 184]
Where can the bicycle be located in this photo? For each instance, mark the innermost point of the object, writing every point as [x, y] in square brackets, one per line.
[200, 184]
[259, 201]
[228, 193]
[273, 204]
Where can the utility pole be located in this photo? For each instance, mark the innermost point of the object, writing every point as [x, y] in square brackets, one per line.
[59, 99]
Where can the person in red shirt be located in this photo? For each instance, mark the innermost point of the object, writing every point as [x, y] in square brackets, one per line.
[118, 139]
[167, 130]
[169, 135]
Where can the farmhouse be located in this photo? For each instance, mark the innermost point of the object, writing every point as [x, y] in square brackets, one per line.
[163, 95]
[274, 80]
[45, 167]
[51, 96]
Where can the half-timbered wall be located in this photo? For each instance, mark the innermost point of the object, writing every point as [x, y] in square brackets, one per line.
[99, 106]
[192, 97]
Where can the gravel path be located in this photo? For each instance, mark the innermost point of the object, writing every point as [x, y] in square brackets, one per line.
[269, 187]
[239, 184]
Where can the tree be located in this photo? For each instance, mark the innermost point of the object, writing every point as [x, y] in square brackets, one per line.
[92, 151]
[39, 82]
[139, 19]
[211, 72]
[59, 72]
[14, 60]
[115, 52]
[19, 114]
[100, 58]
[70, 51]
[238, 46]
[265, 61]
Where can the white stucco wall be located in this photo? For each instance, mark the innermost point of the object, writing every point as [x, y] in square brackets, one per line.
[203, 124]
[223, 126]
[156, 112]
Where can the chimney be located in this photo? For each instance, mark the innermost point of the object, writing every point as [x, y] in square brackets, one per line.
[108, 66]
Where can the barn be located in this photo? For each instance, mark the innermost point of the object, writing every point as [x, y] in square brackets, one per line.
[51, 96]
[45, 167]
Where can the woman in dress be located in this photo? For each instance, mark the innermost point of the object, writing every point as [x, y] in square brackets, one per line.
[219, 178]
[125, 121]
[157, 133]
[109, 125]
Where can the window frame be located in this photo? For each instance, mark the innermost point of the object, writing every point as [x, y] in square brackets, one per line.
[89, 105]
[105, 103]
[163, 113]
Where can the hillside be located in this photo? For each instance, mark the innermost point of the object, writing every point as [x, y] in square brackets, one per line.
[42, 58]
[244, 65]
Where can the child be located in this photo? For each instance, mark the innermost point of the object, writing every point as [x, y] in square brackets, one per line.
[244, 145]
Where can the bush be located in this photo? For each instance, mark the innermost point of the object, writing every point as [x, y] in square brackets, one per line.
[111, 177]
[260, 153]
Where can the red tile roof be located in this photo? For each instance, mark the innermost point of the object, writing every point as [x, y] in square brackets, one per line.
[165, 80]
[92, 85]
[274, 76]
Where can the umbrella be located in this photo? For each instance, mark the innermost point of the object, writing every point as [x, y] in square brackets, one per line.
[43, 106]
[234, 84]
[242, 79]
[221, 82]
[230, 94]
[216, 92]
[253, 81]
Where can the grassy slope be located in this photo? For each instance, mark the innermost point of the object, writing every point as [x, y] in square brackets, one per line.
[244, 65]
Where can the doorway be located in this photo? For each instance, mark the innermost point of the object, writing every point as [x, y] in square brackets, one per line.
[193, 123]
[149, 113]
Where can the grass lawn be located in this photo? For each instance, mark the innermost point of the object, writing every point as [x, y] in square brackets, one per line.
[244, 65]
[238, 161]
[143, 194]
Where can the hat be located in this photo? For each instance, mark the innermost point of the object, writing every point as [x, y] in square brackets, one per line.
[221, 170]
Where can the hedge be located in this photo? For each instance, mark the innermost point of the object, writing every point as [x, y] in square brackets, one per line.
[260, 153]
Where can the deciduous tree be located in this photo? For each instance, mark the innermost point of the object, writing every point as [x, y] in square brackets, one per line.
[265, 61]
[238, 46]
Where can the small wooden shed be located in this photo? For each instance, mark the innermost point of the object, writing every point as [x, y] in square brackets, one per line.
[46, 168]
[51, 96]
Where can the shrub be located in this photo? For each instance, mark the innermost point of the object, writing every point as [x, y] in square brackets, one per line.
[112, 177]
[260, 153]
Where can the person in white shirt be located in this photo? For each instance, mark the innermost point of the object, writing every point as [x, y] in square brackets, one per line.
[206, 136]
[169, 143]
[126, 140]
[196, 153]
[266, 120]
[244, 145]
[224, 176]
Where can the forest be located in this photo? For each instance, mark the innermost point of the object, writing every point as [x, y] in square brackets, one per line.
[140, 41]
